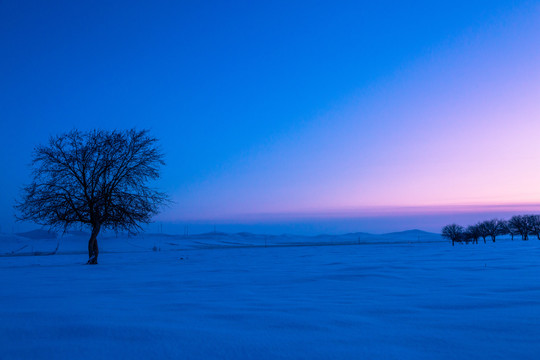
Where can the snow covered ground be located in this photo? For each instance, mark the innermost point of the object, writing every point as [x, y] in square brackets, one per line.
[43, 242]
[206, 299]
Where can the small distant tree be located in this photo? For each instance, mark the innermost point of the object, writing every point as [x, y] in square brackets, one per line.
[473, 233]
[518, 224]
[96, 179]
[493, 228]
[453, 232]
[533, 224]
[506, 229]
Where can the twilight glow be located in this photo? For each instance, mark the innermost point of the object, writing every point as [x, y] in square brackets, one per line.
[457, 126]
[275, 112]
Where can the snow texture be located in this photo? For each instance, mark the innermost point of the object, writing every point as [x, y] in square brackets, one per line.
[222, 296]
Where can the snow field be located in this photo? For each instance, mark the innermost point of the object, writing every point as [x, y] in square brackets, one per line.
[401, 301]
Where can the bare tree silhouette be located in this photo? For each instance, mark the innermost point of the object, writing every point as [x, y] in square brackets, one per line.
[453, 232]
[97, 179]
[518, 224]
[506, 229]
[533, 223]
[473, 232]
[493, 228]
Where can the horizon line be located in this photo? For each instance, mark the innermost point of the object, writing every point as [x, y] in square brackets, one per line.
[375, 211]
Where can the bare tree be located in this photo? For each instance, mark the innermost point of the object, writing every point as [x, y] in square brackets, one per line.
[97, 179]
[493, 228]
[506, 229]
[518, 224]
[473, 232]
[533, 223]
[453, 232]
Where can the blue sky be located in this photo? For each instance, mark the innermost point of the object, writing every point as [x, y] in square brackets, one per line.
[285, 107]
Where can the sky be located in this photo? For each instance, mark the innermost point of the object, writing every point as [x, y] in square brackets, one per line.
[289, 116]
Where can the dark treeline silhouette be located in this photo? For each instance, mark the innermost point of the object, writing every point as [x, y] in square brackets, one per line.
[523, 225]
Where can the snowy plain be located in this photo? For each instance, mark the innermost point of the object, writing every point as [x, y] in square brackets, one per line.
[220, 296]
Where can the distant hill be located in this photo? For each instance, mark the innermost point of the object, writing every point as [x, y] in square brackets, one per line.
[43, 241]
[414, 232]
[78, 233]
[412, 236]
[38, 234]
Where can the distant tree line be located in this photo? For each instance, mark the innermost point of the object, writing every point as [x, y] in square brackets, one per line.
[519, 225]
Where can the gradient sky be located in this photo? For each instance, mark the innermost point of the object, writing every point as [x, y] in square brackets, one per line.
[289, 112]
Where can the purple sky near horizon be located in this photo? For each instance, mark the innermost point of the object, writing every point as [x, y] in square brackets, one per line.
[288, 116]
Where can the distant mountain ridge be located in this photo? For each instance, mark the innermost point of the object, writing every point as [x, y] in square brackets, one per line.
[407, 236]
[47, 234]
[412, 232]
[38, 234]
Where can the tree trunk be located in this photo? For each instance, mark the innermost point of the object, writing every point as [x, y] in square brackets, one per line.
[493, 238]
[93, 250]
